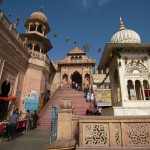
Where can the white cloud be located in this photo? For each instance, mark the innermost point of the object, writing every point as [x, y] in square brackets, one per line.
[93, 4]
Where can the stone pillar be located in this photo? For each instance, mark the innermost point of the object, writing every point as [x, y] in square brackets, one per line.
[64, 120]
[64, 130]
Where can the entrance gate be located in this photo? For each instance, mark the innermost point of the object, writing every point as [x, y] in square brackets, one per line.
[54, 118]
[77, 78]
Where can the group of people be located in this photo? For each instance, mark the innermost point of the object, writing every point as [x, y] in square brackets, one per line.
[76, 86]
[94, 112]
[31, 118]
[88, 95]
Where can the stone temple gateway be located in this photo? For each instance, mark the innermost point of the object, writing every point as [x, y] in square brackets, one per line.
[128, 61]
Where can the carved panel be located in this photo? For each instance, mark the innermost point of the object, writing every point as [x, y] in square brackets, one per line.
[136, 66]
[95, 134]
[117, 135]
[138, 134]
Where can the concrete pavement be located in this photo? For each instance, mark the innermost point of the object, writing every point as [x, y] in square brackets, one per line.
[37, 139]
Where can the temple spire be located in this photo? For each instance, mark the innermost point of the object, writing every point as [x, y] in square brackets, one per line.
[121, 25]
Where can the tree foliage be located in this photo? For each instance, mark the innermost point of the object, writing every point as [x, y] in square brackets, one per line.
[55, 34]
[67, 39]
[75, 42]
[1, 1]
[99, 50]
[86, 47]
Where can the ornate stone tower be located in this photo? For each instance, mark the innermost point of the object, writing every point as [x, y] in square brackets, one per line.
[40, 66]
[128, 61]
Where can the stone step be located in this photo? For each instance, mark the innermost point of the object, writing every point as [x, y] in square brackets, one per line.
[77, 99]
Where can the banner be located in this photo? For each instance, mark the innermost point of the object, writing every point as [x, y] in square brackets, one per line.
[32, 101]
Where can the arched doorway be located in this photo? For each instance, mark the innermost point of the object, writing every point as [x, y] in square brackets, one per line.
[76, 77]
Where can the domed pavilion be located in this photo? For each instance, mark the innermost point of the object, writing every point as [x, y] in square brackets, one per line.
[128, 61]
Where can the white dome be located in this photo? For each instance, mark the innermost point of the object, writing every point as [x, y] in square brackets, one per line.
[125, 35]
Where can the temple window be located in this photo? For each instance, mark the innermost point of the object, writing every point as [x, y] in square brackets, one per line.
[76, 58]
[37, 48]
[131, 91]
[32, 27]
[40, 29]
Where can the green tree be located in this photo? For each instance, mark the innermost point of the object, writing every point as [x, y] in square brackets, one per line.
[86, 47]
[75, 42]
[1, 1]
[55, 34]
[67, 39]
[99, 50]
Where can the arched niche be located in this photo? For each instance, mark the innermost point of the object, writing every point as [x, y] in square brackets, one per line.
[65, 79]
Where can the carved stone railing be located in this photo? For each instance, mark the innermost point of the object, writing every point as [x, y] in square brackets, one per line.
[40, 56]
[96, 132]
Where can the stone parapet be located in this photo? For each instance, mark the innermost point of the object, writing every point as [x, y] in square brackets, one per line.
[109, 132]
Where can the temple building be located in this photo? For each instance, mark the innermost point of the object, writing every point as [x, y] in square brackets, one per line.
[25, 66]
[76, 67]
[14, 58]
[31, 70]
[128, 61]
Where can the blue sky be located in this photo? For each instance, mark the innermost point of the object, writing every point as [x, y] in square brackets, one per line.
[86, 21]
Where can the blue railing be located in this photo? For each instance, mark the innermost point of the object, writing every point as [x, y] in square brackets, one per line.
[54, 118]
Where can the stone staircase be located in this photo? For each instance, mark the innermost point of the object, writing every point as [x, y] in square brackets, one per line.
[77, 99]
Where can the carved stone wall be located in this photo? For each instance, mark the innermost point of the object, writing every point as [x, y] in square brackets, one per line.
[95, 134]
[114, 132]
[137, 134]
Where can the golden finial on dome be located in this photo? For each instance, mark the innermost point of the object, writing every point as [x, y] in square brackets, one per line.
[121, 25]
